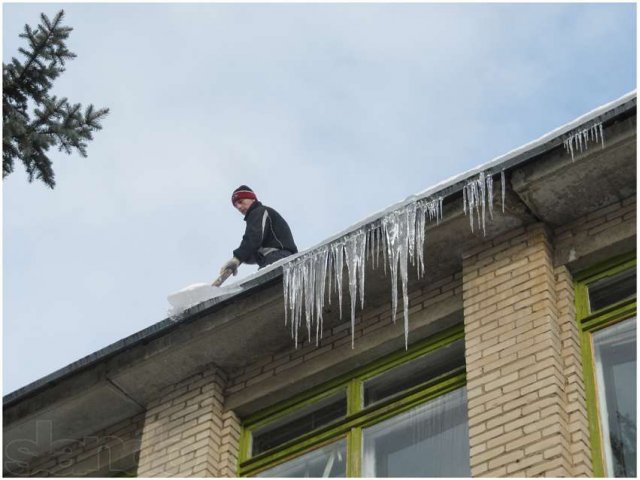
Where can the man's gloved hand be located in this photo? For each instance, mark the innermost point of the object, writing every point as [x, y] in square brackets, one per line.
[232, 265]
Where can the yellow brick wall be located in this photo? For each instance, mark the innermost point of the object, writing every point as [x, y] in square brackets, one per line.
[100, 452]
[575, 390]
[518, 420]
[229, 445]
[187, 433]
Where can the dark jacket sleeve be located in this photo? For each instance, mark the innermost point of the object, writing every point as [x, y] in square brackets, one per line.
[252, 238]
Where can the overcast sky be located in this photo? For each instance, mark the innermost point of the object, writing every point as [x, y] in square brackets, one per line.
[329, 112]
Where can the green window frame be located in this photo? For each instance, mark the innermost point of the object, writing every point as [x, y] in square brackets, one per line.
[591, 322]
[358, 416]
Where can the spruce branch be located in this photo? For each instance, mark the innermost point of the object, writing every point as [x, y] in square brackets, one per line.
[28, 135]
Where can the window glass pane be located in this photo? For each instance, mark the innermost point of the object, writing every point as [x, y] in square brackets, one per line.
[615, 360]
[612, 289]
[301, 421]
[328, 461]
[413, 373]
[431, 440]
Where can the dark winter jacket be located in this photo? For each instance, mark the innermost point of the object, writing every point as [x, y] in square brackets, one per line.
[266, 232]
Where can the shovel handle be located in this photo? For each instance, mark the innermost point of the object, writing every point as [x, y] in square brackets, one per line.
[220, 280]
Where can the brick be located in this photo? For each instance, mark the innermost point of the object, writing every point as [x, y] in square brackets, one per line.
[496, 472]
[505, 439]
[503, 380]
[501, 398]
[482, 417]
[554, 428]
[523, 463]
[504, 419]
[477, 449]
[505, 459]
[511, 266]
[487, 455]
[478, 470]
[523, 422]
[521, 402]
[478, 438]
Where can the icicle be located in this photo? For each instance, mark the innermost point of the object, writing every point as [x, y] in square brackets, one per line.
[286, 276]
[361, 245]
[599, 126]
[376, 237]
[337, 250]
[470, 201]
[293, 288]
[421, 217]
[489, 181]
[579, 140]
[464, 199]
[320, 281]
[309, 293]
[391, 228]
[410, 212]
[385, 248]
[483, 195]
[354, 251]
[369, 245]
[477, 194]
[329, 269]
[396, 226]
[569, 147]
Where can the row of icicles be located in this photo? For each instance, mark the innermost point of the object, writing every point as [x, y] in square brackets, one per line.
[398, 238]
[400, 235]
[580, 139]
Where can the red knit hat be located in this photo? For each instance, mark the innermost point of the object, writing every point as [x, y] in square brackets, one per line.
[242, 192]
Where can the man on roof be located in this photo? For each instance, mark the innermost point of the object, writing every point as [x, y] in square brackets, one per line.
[267, 237]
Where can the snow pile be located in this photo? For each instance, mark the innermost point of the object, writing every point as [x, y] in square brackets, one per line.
[195, 294]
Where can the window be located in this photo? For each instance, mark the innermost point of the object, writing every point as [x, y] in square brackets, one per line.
[404, 416]
[431, 440]
[309, 418]
[606, 311]
[324, 462]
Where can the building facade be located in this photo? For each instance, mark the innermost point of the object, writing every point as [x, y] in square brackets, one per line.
[517, 357]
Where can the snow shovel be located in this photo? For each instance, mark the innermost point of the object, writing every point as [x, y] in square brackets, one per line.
[220, 280]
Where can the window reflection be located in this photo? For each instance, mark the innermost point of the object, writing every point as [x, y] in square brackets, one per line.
[615, 362]
[610, 290]
[431, 440]
[328, 461]
[300, 422]
[415, 372]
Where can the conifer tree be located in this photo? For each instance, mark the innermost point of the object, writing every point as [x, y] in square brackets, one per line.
[33, 120]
